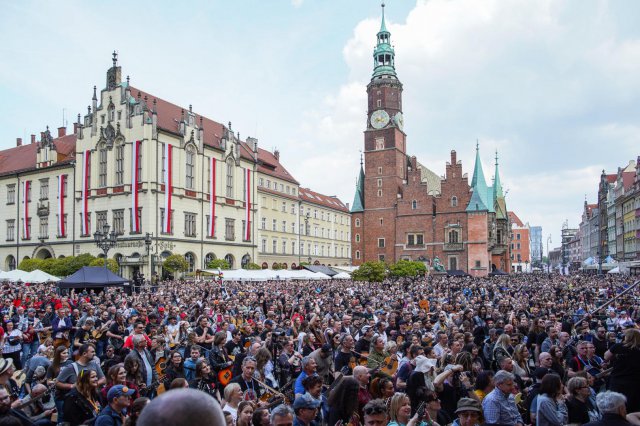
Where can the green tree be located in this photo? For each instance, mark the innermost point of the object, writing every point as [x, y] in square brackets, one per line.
[29, 265]
[252, 266]
[175, 263]
[277, 266]
[407, 268]
[218, 263]
[78, 262]
[112, 265]
[370, 271]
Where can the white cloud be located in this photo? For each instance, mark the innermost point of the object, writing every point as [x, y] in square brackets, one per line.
[297, 3]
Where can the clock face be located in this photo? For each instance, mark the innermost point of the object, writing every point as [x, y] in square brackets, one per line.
[399, 120]
[379, 119]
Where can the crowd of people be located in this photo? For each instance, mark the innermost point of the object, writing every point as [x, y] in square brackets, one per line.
[514, 350]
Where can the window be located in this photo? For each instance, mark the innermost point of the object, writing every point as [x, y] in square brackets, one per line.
[517, 236]
[274, 225]
[454, 201]
[64, 220]
[301, 248]
[44, 228]
[284, 207]
[293, 247]
[453, 237]
[357, 223]
[190, 167]
[263, 223]
[379, 143]
[381, 257]
[357, 254]
[230, 167]
[191, 261]
[293, 208]
[519, 258]
[102, 166]
[268, 184]
[478, 264]
[162, 162]
[101, 220]
[379, 192]
[284, 247]
[415, 239]
[357, 238]
[274, 246]
[381, 242]
[293, 191]
[264, 202]
[518, 246]
[88, 224]
[28, 228]
[162, 221]
[453, 263]
[229, 229]
[284, 226]
[315, 214]
[293, 227]
[381, 221]
[11, 194]
[379, 170]
[11, 229]
[264, 245]
[120, 164]
[379, 183]
[215, 228]
[118, 221]
[44, 189]
[190, 224]
[414, 205]
[261, 182]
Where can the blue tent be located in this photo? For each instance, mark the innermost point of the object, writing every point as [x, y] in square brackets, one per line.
[92, 277]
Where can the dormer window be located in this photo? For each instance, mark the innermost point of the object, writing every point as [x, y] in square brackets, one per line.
[112, 112]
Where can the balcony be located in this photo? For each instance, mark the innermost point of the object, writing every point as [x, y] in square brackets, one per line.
[43, 208]
[453, 246]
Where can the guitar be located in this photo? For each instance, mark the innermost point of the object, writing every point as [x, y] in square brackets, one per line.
[161, 365]
[156, 384]
[390, 366]
[225, 375]
[51, 388]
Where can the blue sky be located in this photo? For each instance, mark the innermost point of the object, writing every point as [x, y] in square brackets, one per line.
[553, 85]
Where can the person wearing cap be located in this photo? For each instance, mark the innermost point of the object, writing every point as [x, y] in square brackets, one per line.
[118, 399]
[469, 412]
[305, 409]
[324, 362]
[364, 343]
[29, 324]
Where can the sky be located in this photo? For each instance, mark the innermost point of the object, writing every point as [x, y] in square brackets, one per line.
[553, 86]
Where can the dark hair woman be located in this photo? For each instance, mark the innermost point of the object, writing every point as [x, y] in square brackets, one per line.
[204, 380]
[552, 410]
[343, 402]
[117, 375]
[175, 368]
[82, 402]
[135, 411]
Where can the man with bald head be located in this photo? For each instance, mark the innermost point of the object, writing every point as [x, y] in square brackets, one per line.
[362, 375]
[180, 407]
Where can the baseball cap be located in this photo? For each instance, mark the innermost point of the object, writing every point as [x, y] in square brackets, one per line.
[305, 402]
[119, 390]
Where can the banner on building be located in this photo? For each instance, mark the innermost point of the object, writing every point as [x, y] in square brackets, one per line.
[212, 199]
[247, 233]
[25, 209]
[62, 179]
[168, 187]
[86, 159]
[135, 178]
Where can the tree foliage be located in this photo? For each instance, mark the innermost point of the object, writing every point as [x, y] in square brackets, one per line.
[407, 268]
[175, 263]
[29, 265]
[218, 264]
[252, 266]
[112, 265]
[370, 271]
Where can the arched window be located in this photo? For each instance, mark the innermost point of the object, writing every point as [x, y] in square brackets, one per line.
[245, 260]
[230, 167]
[357, 223]
[453, 236]
[191, 260]
[230, 260]
[454, 201]
[190, 167]
[357, 254]
[208, 258]
[120, 164]
[414, 204]
[357, 238]
[264, 265]
[102, 172]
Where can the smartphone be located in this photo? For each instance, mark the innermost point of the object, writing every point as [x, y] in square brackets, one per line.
[421, 410]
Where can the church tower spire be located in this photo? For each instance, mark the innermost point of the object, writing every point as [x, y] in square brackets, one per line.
[479, 187]
[383, 54]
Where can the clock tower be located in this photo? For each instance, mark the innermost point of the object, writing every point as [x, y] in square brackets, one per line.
[385, 168]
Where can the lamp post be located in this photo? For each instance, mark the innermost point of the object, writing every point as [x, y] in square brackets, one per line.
[105, 240]
[548, 257]
[147, 243]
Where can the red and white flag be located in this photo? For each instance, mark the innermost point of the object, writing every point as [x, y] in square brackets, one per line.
[168, 187]
[135, 178]
[212, 199]
[61, 183]
[247, 233]
[25, 209]
[86, 159]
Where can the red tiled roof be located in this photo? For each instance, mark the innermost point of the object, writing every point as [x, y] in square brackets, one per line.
[23, 158]
[611, 178]
[513, 218]
[170, 115]
[316, 198]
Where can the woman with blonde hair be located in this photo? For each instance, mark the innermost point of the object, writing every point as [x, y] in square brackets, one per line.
[522, 362]
[503, 348]
[400, 412]
[232, 397]
[625, 359]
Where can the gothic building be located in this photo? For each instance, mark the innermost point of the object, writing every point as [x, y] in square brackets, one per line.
[403, 210]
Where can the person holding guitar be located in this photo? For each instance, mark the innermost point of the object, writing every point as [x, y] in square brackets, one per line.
[84, 334]
[29, 325]
[117, 332]
[204, 380]
[61, 327]
[219, 360]
[250, 386]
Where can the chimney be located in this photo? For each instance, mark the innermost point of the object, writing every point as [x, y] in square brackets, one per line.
[62, 131]
[454, 159]
[276, 154]
[19, 142]
[33, 138]
[75, 128]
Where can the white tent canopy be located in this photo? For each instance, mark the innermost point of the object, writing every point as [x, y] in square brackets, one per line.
[342, 276]
[39, 276]
[14, 276]
[615, 270]
[268, 274]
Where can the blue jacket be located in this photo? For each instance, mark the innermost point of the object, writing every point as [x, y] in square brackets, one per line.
[108, 417]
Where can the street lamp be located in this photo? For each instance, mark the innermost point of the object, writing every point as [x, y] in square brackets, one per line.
[105, 240]
[147, 243]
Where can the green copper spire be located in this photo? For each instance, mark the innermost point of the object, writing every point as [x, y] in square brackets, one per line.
[480, 197]
[358, 199]
[497, 185]
[383, 54]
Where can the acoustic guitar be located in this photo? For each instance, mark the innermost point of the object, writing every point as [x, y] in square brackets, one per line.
[225, 375]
